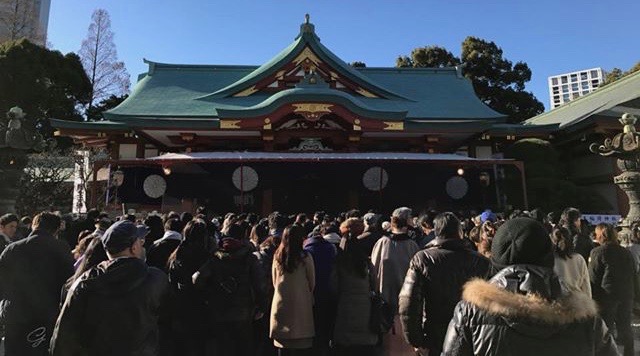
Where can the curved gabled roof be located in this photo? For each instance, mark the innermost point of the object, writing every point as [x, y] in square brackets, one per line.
[306, 39]
[205, 91]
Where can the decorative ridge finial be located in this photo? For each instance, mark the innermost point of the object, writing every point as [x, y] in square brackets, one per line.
[307, 26]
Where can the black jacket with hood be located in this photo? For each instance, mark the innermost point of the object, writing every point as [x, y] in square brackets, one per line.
[522, 311]
[113, 309]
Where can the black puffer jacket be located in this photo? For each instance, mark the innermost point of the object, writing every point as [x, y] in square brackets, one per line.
[112, 309]
[433, 287]
[522, 311]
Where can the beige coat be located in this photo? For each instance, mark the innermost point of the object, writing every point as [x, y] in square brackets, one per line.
[390, 258]
[292, 304]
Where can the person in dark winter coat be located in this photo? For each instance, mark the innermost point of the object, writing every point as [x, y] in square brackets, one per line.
[582, 244]
[523, 310]
[433, 285]
[372, 232]
[234, 294]
[189, 319]
[324, 255]
[352, 334]
[612, 271]
[32, 272]
[158, 255]
[266, 251]
[115, 307]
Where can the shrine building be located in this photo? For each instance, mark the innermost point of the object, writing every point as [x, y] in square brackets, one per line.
[305, 131]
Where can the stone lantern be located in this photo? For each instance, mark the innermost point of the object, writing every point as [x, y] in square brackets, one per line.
[625, 147]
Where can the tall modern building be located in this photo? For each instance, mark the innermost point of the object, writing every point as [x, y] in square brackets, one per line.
[568, 86]
[24, 18]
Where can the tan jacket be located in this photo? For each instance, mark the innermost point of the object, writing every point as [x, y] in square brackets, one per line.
[292, 304]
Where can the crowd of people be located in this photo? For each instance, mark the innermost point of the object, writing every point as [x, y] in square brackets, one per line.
[351, 284]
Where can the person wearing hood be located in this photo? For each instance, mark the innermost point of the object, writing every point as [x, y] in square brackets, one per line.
[390, 259]
[115, 307]
[233, 288]
[523, 310]
[32, 272]
[433, 284]
[158, 255]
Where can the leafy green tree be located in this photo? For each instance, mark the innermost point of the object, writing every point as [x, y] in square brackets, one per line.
[429, 57]
[617, 73]
[44, 83]
[612, 75]
[358, 64]
[497, 81]
[95, 113]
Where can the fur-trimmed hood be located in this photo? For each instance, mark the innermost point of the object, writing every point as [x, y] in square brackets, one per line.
[495, 300]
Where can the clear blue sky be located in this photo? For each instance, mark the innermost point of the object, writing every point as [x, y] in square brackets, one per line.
[553, 37]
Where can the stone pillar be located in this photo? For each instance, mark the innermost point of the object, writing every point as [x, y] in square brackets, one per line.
[625, 146]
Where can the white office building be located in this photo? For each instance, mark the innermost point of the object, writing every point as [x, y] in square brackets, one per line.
[24, 19]
[565, 87]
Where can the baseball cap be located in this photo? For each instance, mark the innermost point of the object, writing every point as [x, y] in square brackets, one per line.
[122, 235]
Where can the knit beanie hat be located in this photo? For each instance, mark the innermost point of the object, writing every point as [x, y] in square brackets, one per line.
[521, 241]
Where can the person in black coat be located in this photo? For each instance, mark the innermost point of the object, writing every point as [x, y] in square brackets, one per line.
[158, 255]
[570, 219]
[433, 284]
[612, 271]
[32, 272]
[523, 310]
[233, 285]
[115, 307]
[189, 310]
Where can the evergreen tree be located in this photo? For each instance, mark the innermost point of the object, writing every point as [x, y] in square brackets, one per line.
[497, 81]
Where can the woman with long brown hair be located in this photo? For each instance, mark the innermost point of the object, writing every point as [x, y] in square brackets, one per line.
[291, 322]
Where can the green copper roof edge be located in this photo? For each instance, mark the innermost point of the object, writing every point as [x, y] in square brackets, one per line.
[68, 124]
[579, 100]
[199, 66]
[259, 73]
[315, 95]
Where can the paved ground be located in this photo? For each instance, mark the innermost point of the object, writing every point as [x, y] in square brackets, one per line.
[635, 325]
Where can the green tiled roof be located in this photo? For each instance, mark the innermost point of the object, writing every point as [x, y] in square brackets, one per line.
[205, 91]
